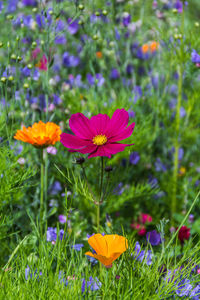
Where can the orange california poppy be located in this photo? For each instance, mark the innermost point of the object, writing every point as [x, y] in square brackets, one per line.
[99, 54]
[145, 48]
[154, 46]
[40, 135]
[108, 247]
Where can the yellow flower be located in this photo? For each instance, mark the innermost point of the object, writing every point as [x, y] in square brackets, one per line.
[40, 135]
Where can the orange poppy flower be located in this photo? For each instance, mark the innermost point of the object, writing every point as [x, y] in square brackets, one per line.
[108, 247]
[99, 54]
[145, 48]
[40, 135]
[154, 46]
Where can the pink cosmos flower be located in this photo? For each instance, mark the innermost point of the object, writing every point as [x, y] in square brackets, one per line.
[99, 135]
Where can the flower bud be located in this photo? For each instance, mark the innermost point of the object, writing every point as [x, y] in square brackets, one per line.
[10, 78]
[9, 17]
[34, 44]
[13, 56]
[3, 79]
[34, 10]
[1, 44]
[26, 85]
[174, 11]
[19, 58]
[80, 22]
[30, 66]
[81, 7]
[196, 24]
[80, 160]
[104, 12]
[95, 37]
[17, 38]
[108, 169]
[97, 13]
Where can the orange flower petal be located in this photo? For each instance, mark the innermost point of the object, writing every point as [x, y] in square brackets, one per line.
[40, 134]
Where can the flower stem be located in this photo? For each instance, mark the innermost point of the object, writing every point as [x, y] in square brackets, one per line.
[177, 129]
[41, 190]
[100, 194]
[176, 145]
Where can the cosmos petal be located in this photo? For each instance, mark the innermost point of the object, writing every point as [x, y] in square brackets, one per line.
[72, 141]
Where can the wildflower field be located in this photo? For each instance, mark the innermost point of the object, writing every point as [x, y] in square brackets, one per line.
[99, 149]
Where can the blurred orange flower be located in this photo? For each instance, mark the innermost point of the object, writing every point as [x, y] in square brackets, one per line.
[154, 46]
[108, 247]
[40, 135]
[150, 47]
[145, 48]
[99, 54]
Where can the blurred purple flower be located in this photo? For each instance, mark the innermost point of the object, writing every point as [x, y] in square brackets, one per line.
[131, 113]
[153, 237]
[134, 158]
[159, 166]
[73, 27]
[137, 92]
[52, 234]
[29, 2]
[12, 6]
[60, 40]
[77, 247]
[179, 6]
[98, 79]
[114, 74]
[195, 57]
[61, 277]
[70, 60]
[142, 254]
[31, 275]
[1, 6]
[183, 288]
[119, 189]
[92, 284]
[62, 219]
[126, 19]
[51, 150]
[55, 188]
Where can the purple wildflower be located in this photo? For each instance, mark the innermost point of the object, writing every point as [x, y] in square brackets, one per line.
[134, 158]
[114, 74]
[153, 237]
[77, 247]
[142, 254]
[92, 284]
[70, 60]
[195, 57]
[62, 219]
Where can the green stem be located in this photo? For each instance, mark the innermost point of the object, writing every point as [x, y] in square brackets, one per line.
[41, 191]
[176, 144]
[100, 194]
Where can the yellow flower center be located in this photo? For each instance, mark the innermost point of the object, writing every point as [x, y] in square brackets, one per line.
[99, 140]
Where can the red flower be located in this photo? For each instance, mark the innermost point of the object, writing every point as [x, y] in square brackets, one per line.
[145, 218]
[99, 135]
[184, 234]
[42, 64]
[141, 230]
